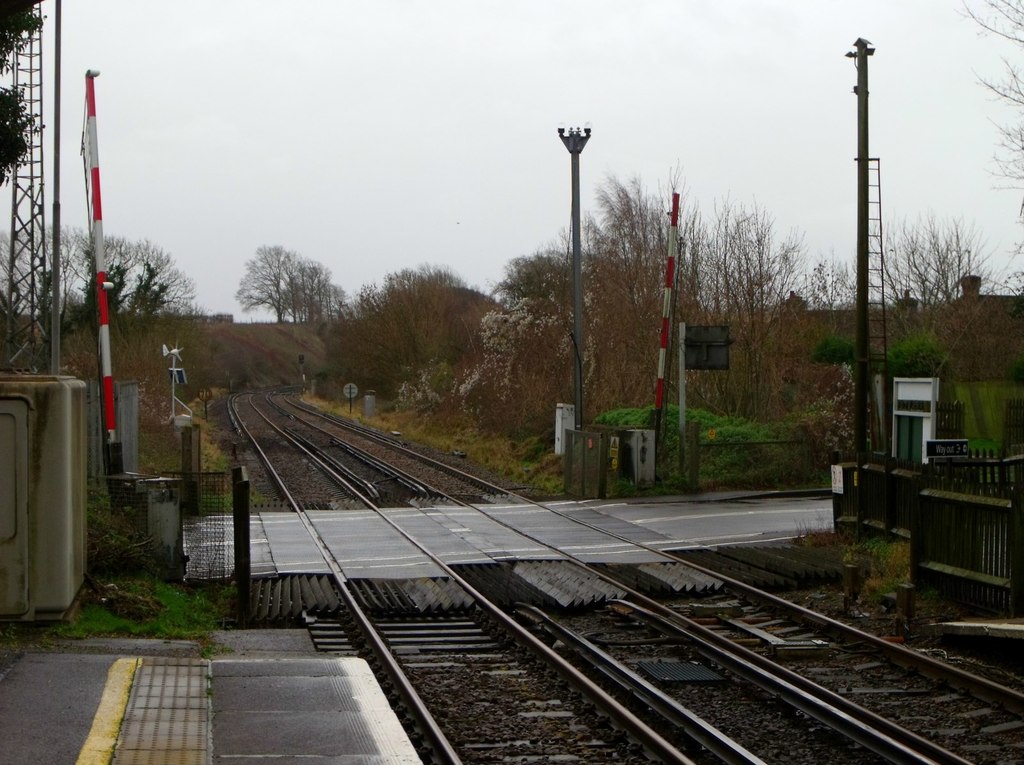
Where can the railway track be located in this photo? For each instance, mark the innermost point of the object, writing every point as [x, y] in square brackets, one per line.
[380, 466]
[530, 735]
[470, 668]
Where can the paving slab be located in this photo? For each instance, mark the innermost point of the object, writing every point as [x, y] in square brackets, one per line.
[1012, 629]
[47, 703]
[304, 708]
[259, 644]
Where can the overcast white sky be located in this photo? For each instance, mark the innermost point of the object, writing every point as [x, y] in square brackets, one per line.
[376, 136]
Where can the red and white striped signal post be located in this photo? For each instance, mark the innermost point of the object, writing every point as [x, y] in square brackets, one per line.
[92, 160]
[666, 315]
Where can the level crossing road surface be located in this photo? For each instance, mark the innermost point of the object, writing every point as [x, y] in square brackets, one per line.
[365, 545]
[716, 519]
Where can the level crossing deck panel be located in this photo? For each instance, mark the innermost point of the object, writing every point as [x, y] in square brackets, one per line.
[367, 547]
[641, 535]
[493, 541]
[443, 540]
[261, 561]
[291, 546]
[589, 545]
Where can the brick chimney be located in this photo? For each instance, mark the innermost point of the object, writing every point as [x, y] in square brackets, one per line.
[970, 286]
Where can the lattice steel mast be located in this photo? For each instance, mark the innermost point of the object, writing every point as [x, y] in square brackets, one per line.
[27, 300]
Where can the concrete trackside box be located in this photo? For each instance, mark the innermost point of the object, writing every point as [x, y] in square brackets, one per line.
[42, 495]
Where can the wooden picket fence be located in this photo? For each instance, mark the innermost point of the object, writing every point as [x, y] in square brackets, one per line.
[949, 419]
[964, 519]
[1013, 426]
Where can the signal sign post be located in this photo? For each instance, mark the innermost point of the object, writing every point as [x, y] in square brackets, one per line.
[351, 391]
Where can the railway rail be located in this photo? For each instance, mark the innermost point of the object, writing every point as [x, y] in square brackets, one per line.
[479, 638]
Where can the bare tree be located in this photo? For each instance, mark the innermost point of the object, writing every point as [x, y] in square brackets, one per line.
[265, 283]
[1005, 19]
[410, 331]
[828, 286]
[154, 284]
[943, 284]
[628, 250]
[312, 296]
[928, 260]
[291, 286]
[738, 271]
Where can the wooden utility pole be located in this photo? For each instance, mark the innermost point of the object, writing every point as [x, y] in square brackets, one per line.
[861, 370]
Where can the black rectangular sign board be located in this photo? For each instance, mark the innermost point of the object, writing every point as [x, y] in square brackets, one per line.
[947, 447]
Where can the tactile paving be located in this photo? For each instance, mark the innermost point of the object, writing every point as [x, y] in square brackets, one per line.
[167, 721]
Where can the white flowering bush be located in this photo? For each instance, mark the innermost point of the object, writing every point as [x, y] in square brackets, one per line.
[828, 420]
[426, 390]
[521, 368]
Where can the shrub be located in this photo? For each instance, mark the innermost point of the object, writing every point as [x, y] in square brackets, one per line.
[827, 422]
[734, 452]
[917, 356]
[117, 544]
[833, 349]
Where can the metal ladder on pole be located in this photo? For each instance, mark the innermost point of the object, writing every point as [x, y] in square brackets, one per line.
[877, 346]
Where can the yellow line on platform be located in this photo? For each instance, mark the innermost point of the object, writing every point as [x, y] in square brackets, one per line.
[106, 724]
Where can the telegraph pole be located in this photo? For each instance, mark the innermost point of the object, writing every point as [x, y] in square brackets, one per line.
[861, 350]
[574, 141]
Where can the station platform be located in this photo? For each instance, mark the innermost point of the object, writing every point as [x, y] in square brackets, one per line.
[265, 696]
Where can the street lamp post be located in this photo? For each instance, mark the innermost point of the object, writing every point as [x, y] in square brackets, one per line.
[574, 140]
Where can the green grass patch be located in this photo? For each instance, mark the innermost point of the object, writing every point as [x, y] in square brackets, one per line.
[886, 562]
[146, 607]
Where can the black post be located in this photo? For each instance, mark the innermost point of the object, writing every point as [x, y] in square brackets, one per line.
[115, 458]
[243, 561]
[1015, 544]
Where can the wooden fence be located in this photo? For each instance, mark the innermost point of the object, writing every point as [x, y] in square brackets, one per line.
[1013, 425]
[964, 519]
[949, 419]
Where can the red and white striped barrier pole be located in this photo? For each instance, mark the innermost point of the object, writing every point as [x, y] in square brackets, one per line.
[666, 311]
[93, 159]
